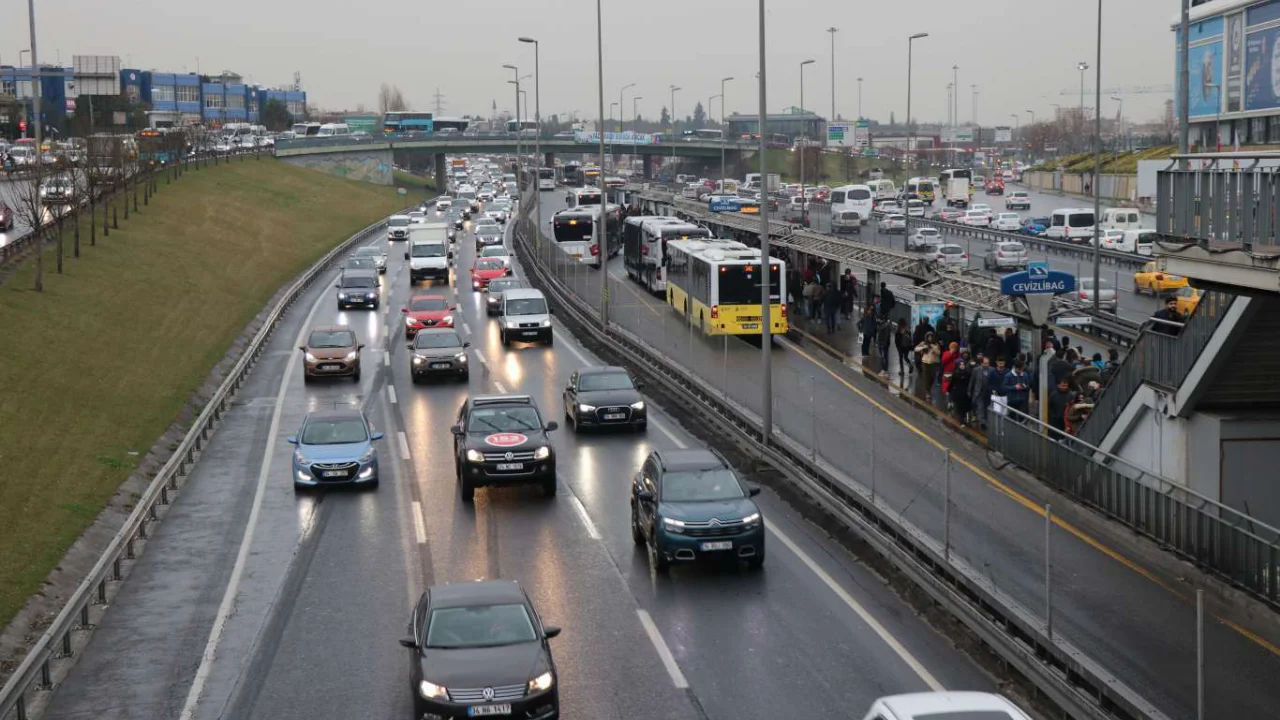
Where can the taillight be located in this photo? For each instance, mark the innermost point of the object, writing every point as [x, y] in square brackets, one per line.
[1159, 277]
[715, 312]
[784, 311]
[595, 249]
[964, 256]
[1084, 295]
[644, 250]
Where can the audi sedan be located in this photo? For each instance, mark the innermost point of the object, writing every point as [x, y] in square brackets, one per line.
[335, 448]
[604, 397]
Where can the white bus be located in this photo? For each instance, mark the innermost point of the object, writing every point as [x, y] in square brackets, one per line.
[305, 129]
[523, 128]
[852, 198]
[333, 130]
[546, 178]
[644, 245]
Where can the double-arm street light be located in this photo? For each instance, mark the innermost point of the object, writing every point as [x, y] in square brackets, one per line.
[537, 137]
[804, 145]
[910, 129]
[674, 89]
[621, 107]
[724, 129]
[519, 157]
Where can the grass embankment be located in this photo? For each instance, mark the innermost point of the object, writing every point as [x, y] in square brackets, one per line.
[1125, 163]
[410, 182]
[104, 360]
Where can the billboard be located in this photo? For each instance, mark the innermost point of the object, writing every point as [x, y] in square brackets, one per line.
[1262, 76]
[1206, 79]
[862, 134]
[1004, 135]
[1235, 61]
[838, 134]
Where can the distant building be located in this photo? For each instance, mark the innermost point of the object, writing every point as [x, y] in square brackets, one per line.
[189, 99]
[18, 83]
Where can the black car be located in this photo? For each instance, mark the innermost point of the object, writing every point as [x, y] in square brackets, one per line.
[358, 287]
[479, 649]
[502, 440]
[493, 293]
[604, 397]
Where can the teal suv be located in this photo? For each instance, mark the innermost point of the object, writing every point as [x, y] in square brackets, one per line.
[690, 506]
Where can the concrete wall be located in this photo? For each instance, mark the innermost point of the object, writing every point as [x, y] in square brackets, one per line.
[373, 166]
[1116, 188]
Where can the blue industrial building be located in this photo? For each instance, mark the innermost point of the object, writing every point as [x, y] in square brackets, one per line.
[185, 99]
[16, 83]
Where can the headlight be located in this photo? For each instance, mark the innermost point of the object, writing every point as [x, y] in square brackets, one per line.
[410, 321]
[418, 359]
[430, 690]
[447, 319]
[310, 357]
[637, 405]
[542, 453]
[299, 458]
[475, 456]
[675, 526]
[583, 407]
[351, 355]
[460, 357]
[372, 295]
[368, 455]
[751, 519]
[542, 682]
[545, 323]
[342, 296]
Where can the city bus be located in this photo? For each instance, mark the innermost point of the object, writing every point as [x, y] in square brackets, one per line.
[644, 245]
[546, 178]
[403, 121]
[159, 146]
[591, 176]
[305, 129]
[573, 174]
[449, 125]
[523, 128]
[717, 286]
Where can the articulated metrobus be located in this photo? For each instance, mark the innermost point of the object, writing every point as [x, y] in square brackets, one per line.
[717, 286]
[644, 245]
[397, 121]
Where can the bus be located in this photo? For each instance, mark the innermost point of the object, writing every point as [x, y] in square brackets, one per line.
[703, 134]
[955, 192]
[591, 176]
[523, 128]
[717, 286]
[546, 178]
[305, 130]
[573, 174]
[398, 121]
[644, 245]
[449, 125]
[160, 146]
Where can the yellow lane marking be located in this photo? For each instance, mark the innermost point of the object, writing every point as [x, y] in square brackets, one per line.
[1034, 507]
[647, 305]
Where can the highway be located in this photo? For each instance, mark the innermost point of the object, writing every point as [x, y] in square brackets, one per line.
[278, 606]
[1109, 598]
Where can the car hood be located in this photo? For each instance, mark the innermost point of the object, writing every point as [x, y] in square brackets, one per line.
[703, 511]
[428, 314]
[430, 352]
[489, 274]
[500, 441]
[334, 453]
[483, 667]
[330, 353]
[608, 397]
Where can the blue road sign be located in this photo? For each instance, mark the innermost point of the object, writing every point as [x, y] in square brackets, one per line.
[1038, 279]
[724, 204]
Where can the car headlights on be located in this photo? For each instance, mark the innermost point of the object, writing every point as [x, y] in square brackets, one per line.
[460, 357]
[351, 355]
[545, 323]
[676, 526]
[410, 321]
[371, 296]
[342, 296]
[475, 456]
[446, 320]
[639, 405]
[309, 357]
[418, 359]
[583, 407]
[430, 690]
[542, 683]
[542, 453]
[751, 519]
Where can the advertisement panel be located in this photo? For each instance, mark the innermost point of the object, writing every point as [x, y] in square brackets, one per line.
[1262, 69]
[932, 311]
[1235, 61]
[862, 134]
[1206, 79]
[1004, 135]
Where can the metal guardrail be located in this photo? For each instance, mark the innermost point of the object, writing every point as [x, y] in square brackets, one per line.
[57, 643]
[1218, 538]
[1080, 687]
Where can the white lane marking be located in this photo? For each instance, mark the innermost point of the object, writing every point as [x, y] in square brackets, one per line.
[576, 352]
[391, 393]
[404, 445]
[419, 528]
[466, 328]
[480, 357]
[500, 386]
[664, 652]
[893, 643]
[386, 358]
[246, 540]
[586, 519]
[668, 432]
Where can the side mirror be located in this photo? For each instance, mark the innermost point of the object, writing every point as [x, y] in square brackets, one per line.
[408, 346]
[292, 439]
[753, 490]
[453, 306]
[360, 346]
[550, 632]
[645, 495]
[551, 311]
[404, 310]
[553, 425]
[409, 642]
[639, 384]
[302, 348]
[339, 285]
[456, 429]
[406, 255]
[377, 436]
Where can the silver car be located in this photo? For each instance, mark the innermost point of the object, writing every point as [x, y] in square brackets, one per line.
[1005, 256]
[847, 221]
[1107, 299]
[950, 258]
[374, 253]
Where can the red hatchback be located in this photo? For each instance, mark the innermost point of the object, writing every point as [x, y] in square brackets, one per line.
[486, 269]
[427, 311]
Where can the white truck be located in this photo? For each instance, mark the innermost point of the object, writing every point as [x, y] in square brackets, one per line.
[428, 252]
[772, 184]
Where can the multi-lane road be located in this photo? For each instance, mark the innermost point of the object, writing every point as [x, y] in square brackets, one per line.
[305, 596]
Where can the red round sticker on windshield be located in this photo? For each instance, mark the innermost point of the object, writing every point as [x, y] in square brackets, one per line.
[506, 439]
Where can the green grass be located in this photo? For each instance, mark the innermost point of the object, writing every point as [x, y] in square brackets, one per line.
[99, 364]
[409, 180]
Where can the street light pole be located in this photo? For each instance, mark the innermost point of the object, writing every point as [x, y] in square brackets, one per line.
[1016, 121]
[673, 122]
[910, 132]
[537, 137]
[859, 98]
[766, 314]
[1082, 66]
[604, 206]
[1097, 162]
[724, 135]
[622, 125]
[833, 30]
[519, 157]
[804, 145]
[36, 105]
[1120, 121]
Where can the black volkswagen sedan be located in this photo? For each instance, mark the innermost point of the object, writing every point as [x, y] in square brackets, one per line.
[479, 649]
[604, 396]
[502, 440]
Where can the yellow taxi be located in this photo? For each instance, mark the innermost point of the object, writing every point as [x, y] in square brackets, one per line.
[1187, 297]
[1151, 280]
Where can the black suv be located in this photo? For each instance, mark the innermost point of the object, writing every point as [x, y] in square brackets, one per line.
[502, 440]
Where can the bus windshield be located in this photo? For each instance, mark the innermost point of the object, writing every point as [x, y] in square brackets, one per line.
[546, 173]
[740, 284]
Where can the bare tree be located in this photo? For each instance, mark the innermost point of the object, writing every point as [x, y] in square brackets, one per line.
[390, 99]
[29, 207]
[76, 172]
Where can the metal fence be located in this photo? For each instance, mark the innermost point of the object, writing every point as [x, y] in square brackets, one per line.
[1215, 536]
[1224, 197]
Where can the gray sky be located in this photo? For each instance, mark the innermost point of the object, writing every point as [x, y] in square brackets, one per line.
[1021, 53]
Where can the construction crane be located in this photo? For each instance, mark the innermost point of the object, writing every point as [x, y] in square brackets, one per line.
[1124, 90]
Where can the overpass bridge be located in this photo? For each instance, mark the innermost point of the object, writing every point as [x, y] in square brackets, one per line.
[371, 159]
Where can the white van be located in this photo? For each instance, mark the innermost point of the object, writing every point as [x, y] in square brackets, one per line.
[1071, 224]
[852, 198]
[1138, 241]
[525, 317]
[1121, 219]
[333, 130]
[883, 189]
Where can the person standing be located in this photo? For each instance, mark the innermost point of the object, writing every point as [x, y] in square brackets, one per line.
[1011, 347]
[902, 338]
[1017, 388]
[867, 325]
[961, 376]
[1173, 320]
[831, 302]
[930, 355]
[980, 391]
[887, 300]
[993, 347]
[950, 357]
[1061, 397]
[884, 338]
[848, 290]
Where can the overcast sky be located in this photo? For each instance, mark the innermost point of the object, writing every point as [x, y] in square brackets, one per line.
[1021, 54]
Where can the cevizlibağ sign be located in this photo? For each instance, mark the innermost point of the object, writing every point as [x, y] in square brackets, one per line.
[1037, 285]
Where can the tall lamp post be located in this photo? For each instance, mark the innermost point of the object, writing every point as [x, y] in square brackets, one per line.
[537, 136]
[602, 239]
[1016, 123]
[621, 106]
[635, 125]
[519, 158]
[804, 145]
[1120, 119]
[1082, 66]
[673, 122]
[1097, 161]
[859, 98]
[910, 130]
[833, 30]
[766, 310]
[724, 134]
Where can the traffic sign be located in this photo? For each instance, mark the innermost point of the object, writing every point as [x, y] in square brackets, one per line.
[1037, 285]
[992, 322]
[1074, 321]
[724, 204]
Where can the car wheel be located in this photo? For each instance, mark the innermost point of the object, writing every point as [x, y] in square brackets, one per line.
[551, 340]
[505, 342]
[549, 486]
[636, 533]
[657, 562]
[1137, 290]
[341, 307]
[466, 377]
[468, 490]
[307, 378]
[756, 562]
[299, 488]
[355, 377]
[372, 484]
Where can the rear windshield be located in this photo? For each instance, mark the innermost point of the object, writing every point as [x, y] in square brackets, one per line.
[860, 194]
[741, 284]
[951, 250]
[1078, 220]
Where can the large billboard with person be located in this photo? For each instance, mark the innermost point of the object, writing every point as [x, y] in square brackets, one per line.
[1262, 69]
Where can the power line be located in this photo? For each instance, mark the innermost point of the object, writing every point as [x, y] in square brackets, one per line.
[439, 101]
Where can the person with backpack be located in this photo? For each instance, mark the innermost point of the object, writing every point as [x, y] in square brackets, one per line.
[902, 339]
[884, 338]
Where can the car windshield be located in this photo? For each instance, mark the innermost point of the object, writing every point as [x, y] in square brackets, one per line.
[437, 340]
[701, 485]
[369, 252]
[479, 626]
[428, 250]
[331, 339]
[359, 281]
[527, 306]
[416, 214]
[428, 303]
[590, 382]
[488, 264]
[334, 432]
[504, 419]
[359, 262]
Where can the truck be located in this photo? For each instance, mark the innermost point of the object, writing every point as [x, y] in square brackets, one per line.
[772, 185]
[428, 252]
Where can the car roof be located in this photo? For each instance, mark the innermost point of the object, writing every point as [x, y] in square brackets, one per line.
[437, 331]
[359, 272]
[330, 328]
[508, 399]
[335, 414]
[482, 592]
[695, 459]
[911, 705]
[601, 369]
[522, 293]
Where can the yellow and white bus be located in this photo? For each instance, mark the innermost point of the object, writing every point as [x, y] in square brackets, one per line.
[717, 286]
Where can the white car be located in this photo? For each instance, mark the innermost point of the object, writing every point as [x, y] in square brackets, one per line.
[443, 204]
[893, 223]
[940, 705]
[975, 218]
[888, 206]
[692, 190]
[375, 253]
[984, 208]
[924, 239]
[1017, 200]
[950, 257]
[1009, 222]
[495, 251]
[915, 208]
[1111, 239]
[417, 217]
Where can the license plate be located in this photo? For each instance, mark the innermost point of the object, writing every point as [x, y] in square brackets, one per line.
[331, 366]
[529, 332]
[510, 466]
[750, 326]
[615, 416]
[484, 710]
[721, 545]
[439, 365]
[334, 473]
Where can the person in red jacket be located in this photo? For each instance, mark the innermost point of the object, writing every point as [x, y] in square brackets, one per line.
[949, 358]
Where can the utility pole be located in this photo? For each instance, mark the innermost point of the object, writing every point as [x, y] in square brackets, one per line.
[833, 30]
[439, 101]
[1097, 164]
[1184, 85]
[974, 103]
[766, 310]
